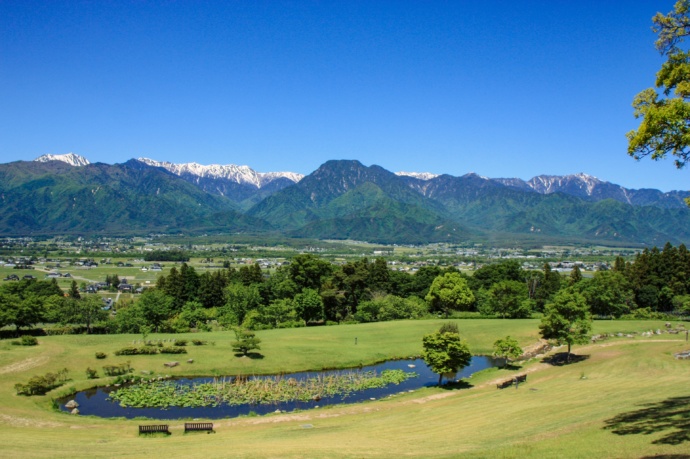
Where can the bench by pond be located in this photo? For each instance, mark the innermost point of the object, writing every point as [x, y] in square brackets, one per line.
[516, 380]
[198, 427]
[157, 428]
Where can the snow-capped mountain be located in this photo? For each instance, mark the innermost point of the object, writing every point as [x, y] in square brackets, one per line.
[591, 188]
[239, 174]
[418, 175]
[69, 158]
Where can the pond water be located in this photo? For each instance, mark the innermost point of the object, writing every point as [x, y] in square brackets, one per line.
[95, 401]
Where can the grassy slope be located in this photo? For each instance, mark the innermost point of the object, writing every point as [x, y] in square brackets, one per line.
[564, 417]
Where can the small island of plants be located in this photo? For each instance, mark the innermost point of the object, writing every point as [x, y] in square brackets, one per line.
[260, 390]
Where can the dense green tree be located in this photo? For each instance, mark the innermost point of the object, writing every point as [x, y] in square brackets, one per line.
[279, 313]
[309, 305]
[449, 292]
[309, 271]
[239, 300]
[87, 311]
[192, 316]
[549, 286]
[335, 305]
[445, 353]
[155, 307]
[575, 275]
[509, 298]
[665, 125]
[211, 286]
[507, 348]
[608, 293]
[619, 264]
[379, 276]
[417, 284]
[74, 290]
[390, 307]
[280, 285]
[567, 319]
[488, 275]
[29, 311]
[251, 274]
[130, 318]
[8, 307]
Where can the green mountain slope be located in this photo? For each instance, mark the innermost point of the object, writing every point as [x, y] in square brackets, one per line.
[52, 197]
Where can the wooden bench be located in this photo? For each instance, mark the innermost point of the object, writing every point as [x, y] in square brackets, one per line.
[154, 429]
[516, 380]
[198, 426]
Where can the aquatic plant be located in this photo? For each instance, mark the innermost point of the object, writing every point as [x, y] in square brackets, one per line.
[259, 390]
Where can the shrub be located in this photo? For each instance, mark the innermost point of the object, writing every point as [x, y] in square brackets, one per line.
[116, 370]
[198, 342]
[91, 373]
[101, 355]
[181, 342]
[40, 385]
[26, 340]
[127, 351]
[173, 350]
[147, 350]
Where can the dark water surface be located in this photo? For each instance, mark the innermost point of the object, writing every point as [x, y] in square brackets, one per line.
[95, 402]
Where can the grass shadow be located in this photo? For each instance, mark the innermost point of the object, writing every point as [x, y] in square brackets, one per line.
[456, 385]
[670, 417]
[251, 355]
[511, 367]
[561, 359]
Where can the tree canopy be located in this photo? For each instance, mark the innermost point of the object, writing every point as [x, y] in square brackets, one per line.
[665, 125]
[445, 353]
[567, 319]
[449, 292]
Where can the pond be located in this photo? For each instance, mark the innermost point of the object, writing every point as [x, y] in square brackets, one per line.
[96, 402]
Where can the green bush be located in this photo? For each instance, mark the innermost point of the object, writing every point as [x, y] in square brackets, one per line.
[40, 385]
[181, 342]
[26, 340]
[116, 370]
[173, 350]
[198, 342]
[146, 350]
[91, 373]
[101, 355]
[127, 351]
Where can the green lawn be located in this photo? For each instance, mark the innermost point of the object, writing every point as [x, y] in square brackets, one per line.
[585, 409]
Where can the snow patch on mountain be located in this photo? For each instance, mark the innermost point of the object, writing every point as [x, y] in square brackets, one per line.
[418, 175]
[232, 172]
[69, 158]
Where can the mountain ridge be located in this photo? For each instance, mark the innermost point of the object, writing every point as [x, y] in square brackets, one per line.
[340, 199]
[223, 180]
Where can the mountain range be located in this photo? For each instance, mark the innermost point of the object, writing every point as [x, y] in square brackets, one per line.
[342, 199]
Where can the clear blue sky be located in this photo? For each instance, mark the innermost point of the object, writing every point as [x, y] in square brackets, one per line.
[500, 88]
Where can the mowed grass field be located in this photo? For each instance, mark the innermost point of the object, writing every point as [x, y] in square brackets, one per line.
[628, 398]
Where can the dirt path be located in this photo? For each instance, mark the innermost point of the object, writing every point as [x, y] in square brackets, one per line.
[24, 365]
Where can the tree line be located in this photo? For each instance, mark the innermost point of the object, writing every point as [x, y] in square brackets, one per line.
[313, 291]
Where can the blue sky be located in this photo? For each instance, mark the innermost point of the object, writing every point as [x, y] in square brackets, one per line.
[500, 88]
